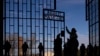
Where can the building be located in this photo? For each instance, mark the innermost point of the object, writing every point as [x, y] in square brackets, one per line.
[93, 18]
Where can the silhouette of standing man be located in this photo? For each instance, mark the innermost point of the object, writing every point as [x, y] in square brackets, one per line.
[67, 48]
[90, 50]
[55, 49]
[72, 33]
[41, 48]
[7, 47]
[95, 50]
[58, 45]
[82, 50]
[24, 48]
[73, 42]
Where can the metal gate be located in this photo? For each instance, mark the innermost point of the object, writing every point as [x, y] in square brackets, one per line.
[23, 22]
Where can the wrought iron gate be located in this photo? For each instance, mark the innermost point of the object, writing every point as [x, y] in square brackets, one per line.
[23, 22]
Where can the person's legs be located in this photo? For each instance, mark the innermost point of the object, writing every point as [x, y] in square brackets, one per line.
[5, 53]
[8, 53]
[26, 53]
[40, 54]
[23, 53]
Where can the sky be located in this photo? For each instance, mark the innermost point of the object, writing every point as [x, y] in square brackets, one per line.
[75, 17]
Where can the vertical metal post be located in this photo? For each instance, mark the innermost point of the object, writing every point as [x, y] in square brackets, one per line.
[5, 19]
[43, 32]
[99, 22]
[95, 20]
[1, 24]
[54, 29]
[31, 24]
[35, 23]
[18, 26]
[86, 8]
[54, 4]
[88, 17]
[64, 27]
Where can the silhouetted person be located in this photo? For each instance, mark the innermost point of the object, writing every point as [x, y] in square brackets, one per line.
[58, 46]
[55, 49]
[74, 45]
[67, 48]
[82, 50]
[24, 48]
[7, 47]
[41, 48]
[90, 50]
[73, 42]
[73, 33]
[95, 50]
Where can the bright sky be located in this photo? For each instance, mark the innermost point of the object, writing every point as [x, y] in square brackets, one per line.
[75, 17]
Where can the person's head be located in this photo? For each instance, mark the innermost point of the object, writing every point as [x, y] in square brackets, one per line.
[95, 45]
[73, 30]
[82, 44]
[89, 43]
[67, 39]
[40, 43]
[25, 43]
[58, 36]
[6, 41]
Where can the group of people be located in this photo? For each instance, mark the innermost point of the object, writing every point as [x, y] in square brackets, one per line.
[89, 51]
[70, 47]
[7, 47]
